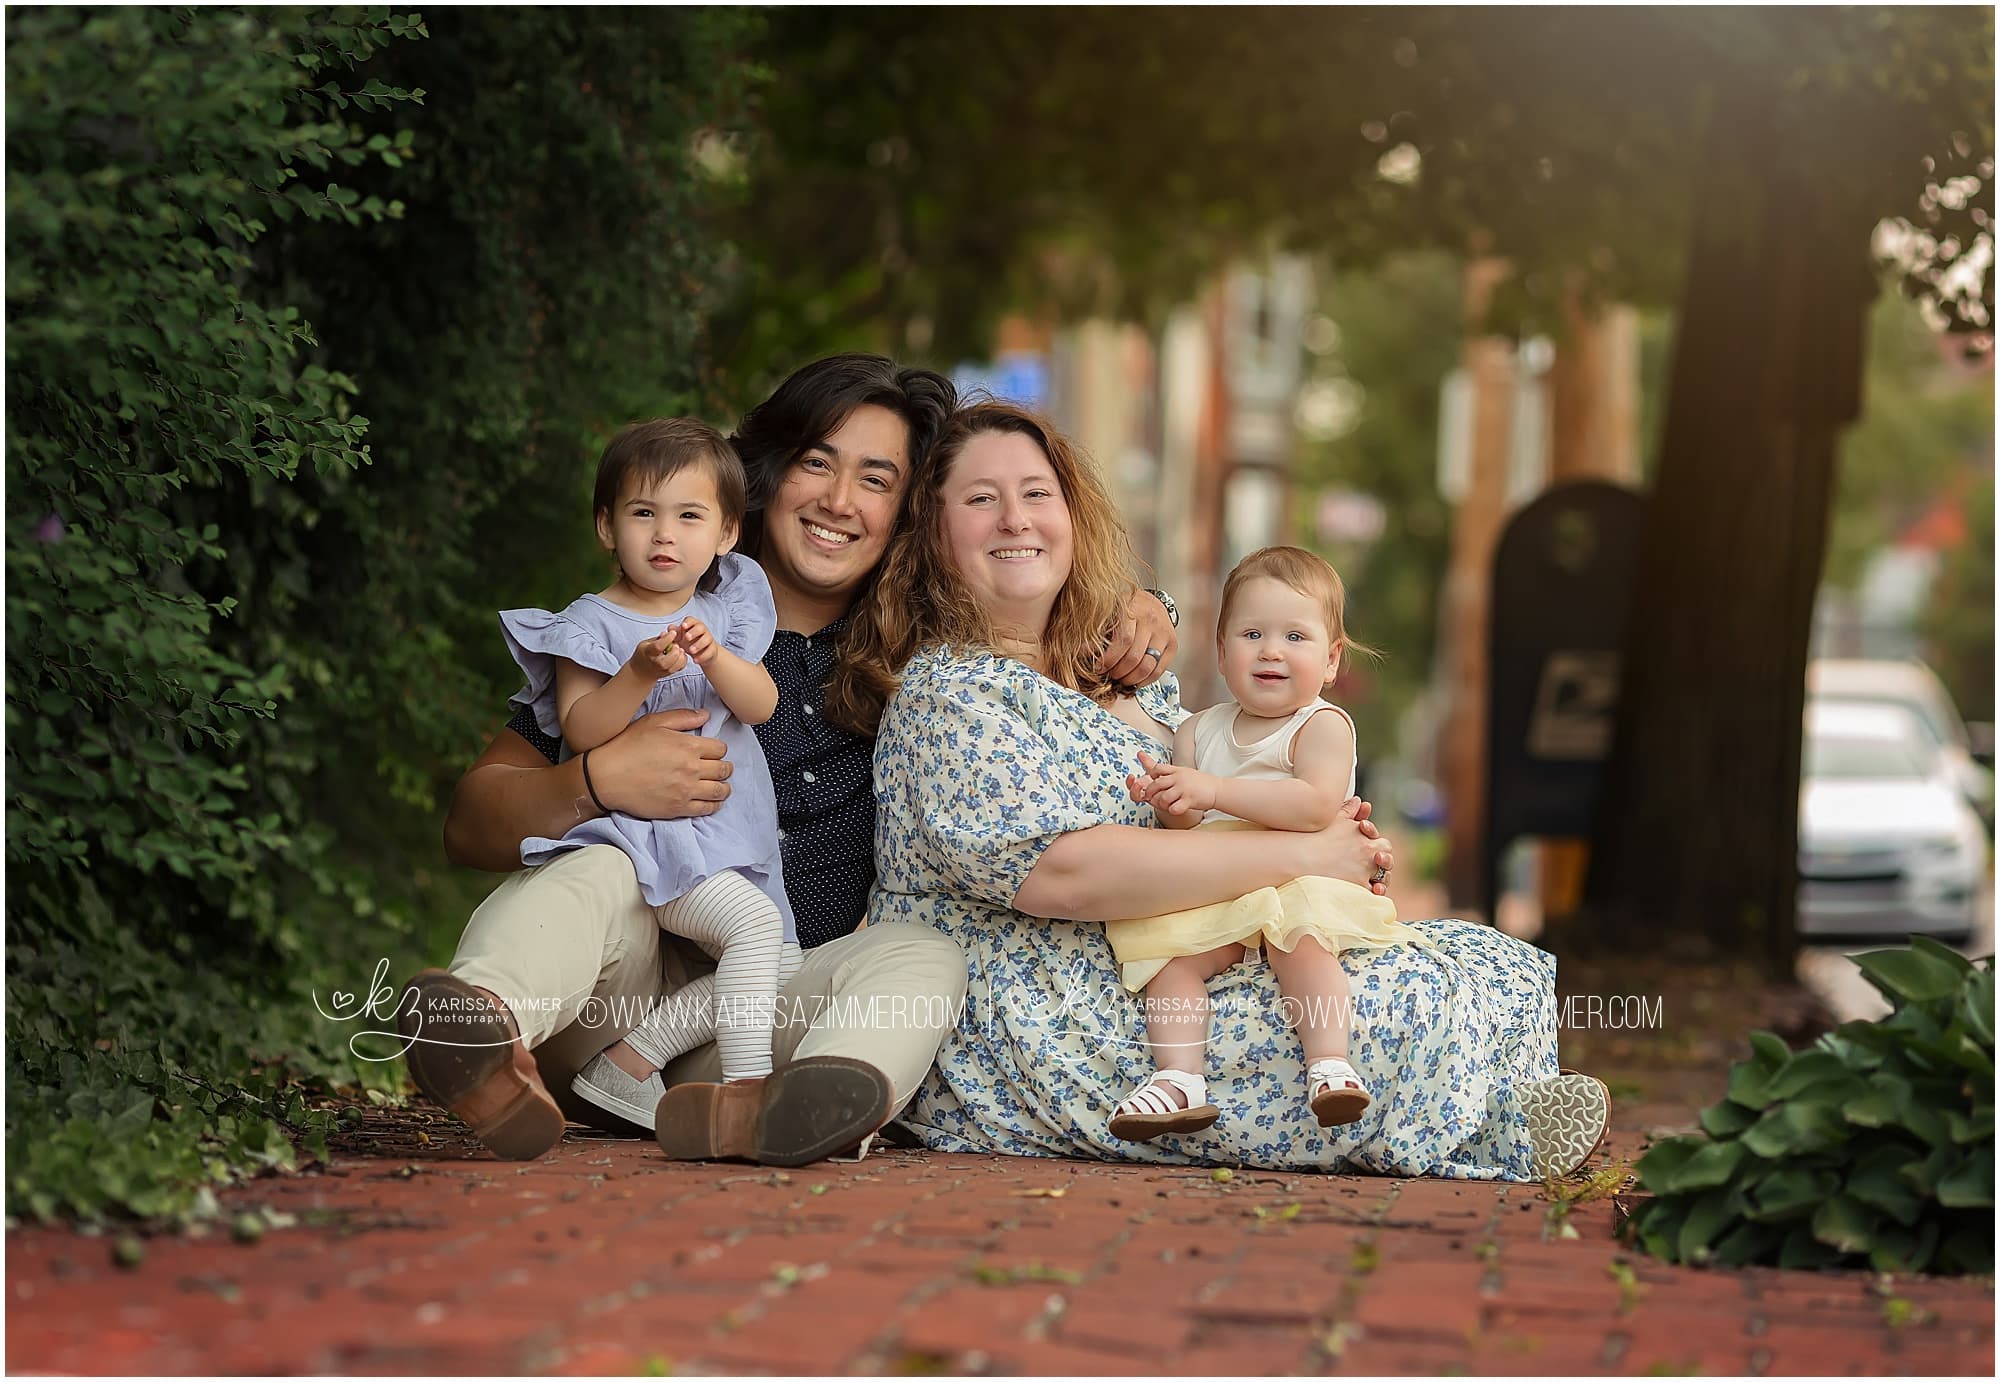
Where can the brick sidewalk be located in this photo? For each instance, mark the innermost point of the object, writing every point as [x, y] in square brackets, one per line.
[605, 1258]
[416, 1253]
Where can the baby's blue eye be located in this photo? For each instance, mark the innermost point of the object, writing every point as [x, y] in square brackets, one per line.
[1296, 637]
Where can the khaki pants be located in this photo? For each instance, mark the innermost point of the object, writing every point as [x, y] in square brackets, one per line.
[574, 951]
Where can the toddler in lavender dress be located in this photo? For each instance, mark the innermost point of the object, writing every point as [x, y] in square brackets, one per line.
[684, 626]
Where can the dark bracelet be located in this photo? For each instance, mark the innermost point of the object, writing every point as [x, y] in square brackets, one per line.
[1173, 610]
[595, 800]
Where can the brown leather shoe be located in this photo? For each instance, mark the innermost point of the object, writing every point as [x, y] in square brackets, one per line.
[794, 1116]
[464, 1056]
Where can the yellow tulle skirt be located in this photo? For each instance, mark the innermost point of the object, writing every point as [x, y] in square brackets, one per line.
[1340, 915]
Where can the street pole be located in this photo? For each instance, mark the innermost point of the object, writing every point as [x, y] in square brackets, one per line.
[1593, 435]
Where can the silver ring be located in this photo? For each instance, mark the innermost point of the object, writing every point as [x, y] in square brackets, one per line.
[1379, 876]
[1154, 653]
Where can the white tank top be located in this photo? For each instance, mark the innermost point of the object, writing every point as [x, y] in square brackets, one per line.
[1217, 750]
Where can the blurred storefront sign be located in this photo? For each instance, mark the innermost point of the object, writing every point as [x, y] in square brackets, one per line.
[1562, 585]
[1346, 515]
[1018, 376]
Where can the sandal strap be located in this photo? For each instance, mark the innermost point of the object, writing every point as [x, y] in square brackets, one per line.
[1335, 1073]
[1147, 1099]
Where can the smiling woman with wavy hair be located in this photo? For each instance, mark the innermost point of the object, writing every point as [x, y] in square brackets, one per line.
[922, 598]
[1007, 820]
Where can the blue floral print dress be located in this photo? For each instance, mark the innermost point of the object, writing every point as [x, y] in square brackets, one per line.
[980, 764]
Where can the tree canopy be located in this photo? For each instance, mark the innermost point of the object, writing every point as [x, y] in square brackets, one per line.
[926, 169]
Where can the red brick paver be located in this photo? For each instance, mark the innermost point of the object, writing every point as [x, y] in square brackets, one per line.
[417, 1253]
[605, 1258]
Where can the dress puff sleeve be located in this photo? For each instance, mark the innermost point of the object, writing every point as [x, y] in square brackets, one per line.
[537, 638]
[971, 791]
[745, 593]
[1162, 700]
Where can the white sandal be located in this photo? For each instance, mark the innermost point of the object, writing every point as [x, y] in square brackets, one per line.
[1151, 1112]
[1334, 1092]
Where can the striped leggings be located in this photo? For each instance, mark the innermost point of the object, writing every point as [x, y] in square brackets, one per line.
[729, 917]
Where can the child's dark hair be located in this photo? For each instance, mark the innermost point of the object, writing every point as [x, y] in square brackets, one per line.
[646, 453]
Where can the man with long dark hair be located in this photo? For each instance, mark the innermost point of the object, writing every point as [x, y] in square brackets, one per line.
[561, 961]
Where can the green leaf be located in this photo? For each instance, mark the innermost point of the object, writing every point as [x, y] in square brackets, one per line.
[1904, 1250]
[1794, 1129]
[1911, 974]
[1727, 1118]
[1791, 1192]
[1970, 1184]
[1663, 1160]
[1706, 1219]
[1711, 1166]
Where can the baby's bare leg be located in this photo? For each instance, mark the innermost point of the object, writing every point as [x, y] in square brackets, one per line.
[1317, 999]
[1176, 1008]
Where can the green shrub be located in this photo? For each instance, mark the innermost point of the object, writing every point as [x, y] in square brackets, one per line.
[152, 370]
[251, 635]
[1873, 1147]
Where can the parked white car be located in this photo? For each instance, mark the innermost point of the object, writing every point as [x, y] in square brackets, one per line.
[1888, 843]
[1916, 688]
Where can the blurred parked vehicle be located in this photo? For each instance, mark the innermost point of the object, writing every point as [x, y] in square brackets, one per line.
[1888, 843]
[1916, 688]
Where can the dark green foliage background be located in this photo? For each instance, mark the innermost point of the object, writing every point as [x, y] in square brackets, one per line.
[317, 319]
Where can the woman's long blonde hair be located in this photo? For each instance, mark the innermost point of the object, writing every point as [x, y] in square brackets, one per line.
[919, 598]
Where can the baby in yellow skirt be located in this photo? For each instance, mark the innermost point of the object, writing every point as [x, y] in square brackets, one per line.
[1277, 757]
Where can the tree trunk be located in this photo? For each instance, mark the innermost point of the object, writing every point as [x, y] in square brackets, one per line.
[1697, 843]
[1468, 590]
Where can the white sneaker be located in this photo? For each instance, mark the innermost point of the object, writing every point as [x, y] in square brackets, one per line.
[611, 1089]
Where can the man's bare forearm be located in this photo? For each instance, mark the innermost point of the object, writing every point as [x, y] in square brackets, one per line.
[505, 798]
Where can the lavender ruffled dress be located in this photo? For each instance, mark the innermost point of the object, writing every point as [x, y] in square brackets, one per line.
[671, 857]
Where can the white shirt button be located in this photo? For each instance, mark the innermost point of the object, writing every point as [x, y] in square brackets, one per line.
[808, 777]
[809, 710]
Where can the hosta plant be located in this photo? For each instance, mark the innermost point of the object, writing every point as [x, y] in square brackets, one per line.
[1871, 1148]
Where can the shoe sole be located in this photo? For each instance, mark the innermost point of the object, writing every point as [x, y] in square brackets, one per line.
[1144, 1127]
[1338, 1107]
[799, 1114]
[488, 1082]
[1568, 1118]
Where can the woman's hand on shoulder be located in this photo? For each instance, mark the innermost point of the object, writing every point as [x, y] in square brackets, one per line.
[1143, 643]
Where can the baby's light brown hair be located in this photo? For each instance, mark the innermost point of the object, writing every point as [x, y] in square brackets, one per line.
[1306, 572]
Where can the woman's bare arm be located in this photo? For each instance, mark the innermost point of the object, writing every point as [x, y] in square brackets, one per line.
[1114, 872]
[653, 769]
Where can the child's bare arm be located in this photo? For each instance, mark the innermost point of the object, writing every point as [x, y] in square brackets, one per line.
[593, 707]
[1145, 786]
[745, 687]
[1322, 763]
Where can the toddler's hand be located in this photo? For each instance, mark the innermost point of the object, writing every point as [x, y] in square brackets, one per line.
[656, 657]
[1179, 790]
[697, 642]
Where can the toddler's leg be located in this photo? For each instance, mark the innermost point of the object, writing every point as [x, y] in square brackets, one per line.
[729, 917]
[1316, 996]
[1174, 1098]
[678, 1023]
[1319, 1003]
[1176, 1007]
